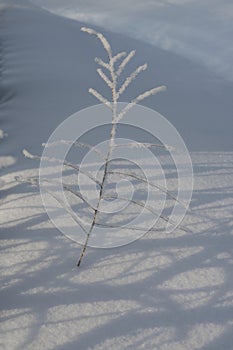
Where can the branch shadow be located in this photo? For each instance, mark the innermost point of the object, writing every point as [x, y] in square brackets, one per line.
[159, 292]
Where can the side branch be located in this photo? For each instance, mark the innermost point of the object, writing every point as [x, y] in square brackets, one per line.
[99, 97]
[105, 78]
[160, 188]
[63, 162]
[74, 216]
[138, 99]
[164, 218]
[102, 63]
[125, 62]
[131, 78]
[74, 143]
[102, 39]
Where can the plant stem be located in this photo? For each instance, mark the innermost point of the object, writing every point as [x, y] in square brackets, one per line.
[96, 210]
[111, 144]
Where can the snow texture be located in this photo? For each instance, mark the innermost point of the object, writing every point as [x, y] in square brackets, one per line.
[165, 291]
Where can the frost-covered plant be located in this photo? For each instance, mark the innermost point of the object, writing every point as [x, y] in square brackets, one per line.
[114, 67]
[109, 72]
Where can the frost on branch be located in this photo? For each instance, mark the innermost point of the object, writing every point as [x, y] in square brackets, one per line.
[109, 71]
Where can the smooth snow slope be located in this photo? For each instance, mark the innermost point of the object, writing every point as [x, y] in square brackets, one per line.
[165, 291]
[199, 30]
[197, 102]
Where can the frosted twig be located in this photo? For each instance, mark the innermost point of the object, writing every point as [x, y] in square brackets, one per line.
[117, 57]
[35, 182]
[99, 97]
[113, 105]
[63, 162]
[102, 38]
[104, 77]
[68, 188]
[130, 79]
[144, 207]
[160, 188]
[102, 63]
[115, 66]
[138, 99]
[142, 145]
[125, 62]
[75, 144]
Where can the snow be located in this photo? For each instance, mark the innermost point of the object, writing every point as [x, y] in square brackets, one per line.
[200, 30]
[164, 291]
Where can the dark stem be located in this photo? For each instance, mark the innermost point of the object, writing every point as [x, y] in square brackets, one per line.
[97, 208]
[111, 141]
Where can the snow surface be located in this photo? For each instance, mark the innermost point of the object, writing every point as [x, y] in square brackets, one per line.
[200, 30]
[165, 291]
